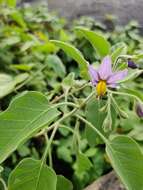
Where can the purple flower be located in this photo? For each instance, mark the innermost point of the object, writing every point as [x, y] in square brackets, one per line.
[104, 77]
[139, 109]
[131, 64]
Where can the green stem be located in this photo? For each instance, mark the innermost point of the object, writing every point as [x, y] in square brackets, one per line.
[65, 127]
[124, 94]
[94, 128]
[49, 144]
[66, 100]
[117, 108]
[56, 125]
[71, 93]
[3, 183]
[50, 152]
[76, 138]
[65, 103]
[75, 109]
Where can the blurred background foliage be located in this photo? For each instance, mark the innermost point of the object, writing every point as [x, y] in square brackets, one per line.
[29, 61]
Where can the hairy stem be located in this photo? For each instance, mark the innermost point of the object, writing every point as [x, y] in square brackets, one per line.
[93, 127]
[3, 183]
[56, 125]
[124, 94]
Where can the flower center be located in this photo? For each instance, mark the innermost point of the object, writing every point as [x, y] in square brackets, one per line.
[101, 88]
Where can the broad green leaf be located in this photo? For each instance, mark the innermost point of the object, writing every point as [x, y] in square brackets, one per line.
[12, 40]
[63, 183]
[27, 45]
[120, 49]
[96, 117]
[17, 17]
[56, 64]
[31, 174]
[137, 133]
[83, 163]
[21, 77]
[130, 123]
[76, 55]
[11, 3]
[127, 160]
[64, 153]
[27, 114]
[8, 83]
[97, 40]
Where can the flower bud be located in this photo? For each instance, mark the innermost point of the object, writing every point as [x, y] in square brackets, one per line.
[107, 124]
[139, 109]
[131, 64]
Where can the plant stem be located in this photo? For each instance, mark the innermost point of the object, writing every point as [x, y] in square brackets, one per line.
[65, 127]
[76, 137]
[56, 125]
[124, 94]
[76, 109]
[50, 155]
[71, 93]
[94, 128]
[65, 103]
[3, 183]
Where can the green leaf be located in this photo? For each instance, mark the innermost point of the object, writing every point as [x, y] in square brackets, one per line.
[9, 41]
[119, 49]
[96, 117]
[83, 163]
[63, 183]
[11, 3]
[30, 174]
[76, 55]
[23, 150]
[17, 17]
[64, 153]
[23, 67]
[127, 160]
[8, 83]
[27, 114]
[68, 81]
[27, 45]
[101, 45]
[137, 132]
[56, 64]
[21, 77]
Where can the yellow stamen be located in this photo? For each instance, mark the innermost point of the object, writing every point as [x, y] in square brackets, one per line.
[101, 88]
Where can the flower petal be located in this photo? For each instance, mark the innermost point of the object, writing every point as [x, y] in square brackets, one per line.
[117, 76]
[93, 75]
[112, 85]
[105, 69]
